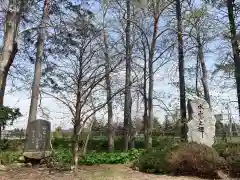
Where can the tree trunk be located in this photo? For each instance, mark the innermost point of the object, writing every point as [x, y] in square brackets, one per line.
[94, 120]
[145, 100]
[109, 95]
[3, 78]
[127, 101]
[235, 47]
[204, 70]
[131, 130]
[8, 41]
[10, 49]
[0, 132]
[75, 138]
[151, 78]
[76, 128]
[6, 70]
[181, 73]
[37, 71]
[196, 80]
[89, 134]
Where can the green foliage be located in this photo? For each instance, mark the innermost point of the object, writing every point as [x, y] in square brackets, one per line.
[226, 149]
[110, 158]
[227, 68]
[57, 132]
[134, 154]
[232, 155]
[4, 144]
[105, 158]
[12, 145]
[153, 160]
[8, 115]
[62, 155]
[234, 164]
[220, 148]
[231, 148]
[100, 144]
[61, 143]
[195, 159]
[8, 157]
[17, 132]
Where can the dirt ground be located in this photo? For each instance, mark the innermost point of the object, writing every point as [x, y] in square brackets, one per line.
[100, 172]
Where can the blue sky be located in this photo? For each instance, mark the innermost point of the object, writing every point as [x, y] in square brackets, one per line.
[58, 115]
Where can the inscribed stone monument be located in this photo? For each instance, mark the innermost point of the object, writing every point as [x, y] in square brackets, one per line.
[38, 143]
[201, 124]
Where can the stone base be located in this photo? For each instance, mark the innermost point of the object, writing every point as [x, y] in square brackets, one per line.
[37, 155]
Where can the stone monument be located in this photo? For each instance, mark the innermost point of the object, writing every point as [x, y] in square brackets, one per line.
[219, 117]
[201, 124]
[38, 142]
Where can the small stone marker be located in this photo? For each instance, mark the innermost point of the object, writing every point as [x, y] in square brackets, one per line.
[38, 143]
[219, 117]
[201, 125]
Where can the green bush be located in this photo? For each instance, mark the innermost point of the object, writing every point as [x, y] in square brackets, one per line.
[153, 160]
[104, 158]
[99, 144]
[110, 158]
[232, 155]
[134, 154]
[4, 145]
[195, 159]
[62, 155]
[231, 149]
[8, 157]
[12, 145]
[234, 165]
[220, 148]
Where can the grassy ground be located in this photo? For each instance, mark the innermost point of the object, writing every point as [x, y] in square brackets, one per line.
[100, 172]
[229, 140]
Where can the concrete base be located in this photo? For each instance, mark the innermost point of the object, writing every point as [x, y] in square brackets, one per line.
[37, 155]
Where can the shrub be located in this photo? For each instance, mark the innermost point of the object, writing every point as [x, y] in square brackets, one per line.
[99, 144]
[12, 145]
[62, 155]
[61, 143]
[104, 158]
[220, 148]
[153, 160]
[4, 145]
[232, 155]
[231, 149]
[134, 154]
[195, 159]
[110, 158]
[234, 165]
[8, 157]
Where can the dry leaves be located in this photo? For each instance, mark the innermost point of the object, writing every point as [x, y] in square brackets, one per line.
[101, 172]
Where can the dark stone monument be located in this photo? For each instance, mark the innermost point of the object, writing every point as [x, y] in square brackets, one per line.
[38, 142]
[219, 117]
